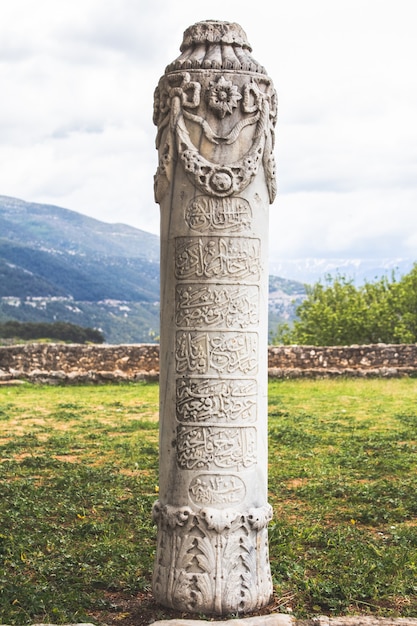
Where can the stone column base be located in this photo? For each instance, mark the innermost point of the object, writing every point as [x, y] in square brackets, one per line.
[212, 561]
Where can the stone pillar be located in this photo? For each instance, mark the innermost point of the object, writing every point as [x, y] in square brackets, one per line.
[215, 109]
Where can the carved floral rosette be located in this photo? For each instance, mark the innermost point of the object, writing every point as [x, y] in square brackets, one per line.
[215, 109]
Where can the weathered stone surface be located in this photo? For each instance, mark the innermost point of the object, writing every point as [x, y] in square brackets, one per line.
[377, 359]
[278, 619]
[281, 619]
[215, 109]
[358, 620]
[75, 363]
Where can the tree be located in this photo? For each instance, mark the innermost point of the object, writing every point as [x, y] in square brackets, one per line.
[339, 313]
[62, 331]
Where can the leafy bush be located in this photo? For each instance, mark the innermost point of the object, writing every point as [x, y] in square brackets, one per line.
[339, 313]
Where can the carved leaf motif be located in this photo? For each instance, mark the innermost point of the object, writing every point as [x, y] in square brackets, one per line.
[185, 557]
[175, 516]
[248, 554]
[240, 590]
[232, 555]
[181, 591]
[205, 586]
[243, 574]
[207, 557]
[216, 557]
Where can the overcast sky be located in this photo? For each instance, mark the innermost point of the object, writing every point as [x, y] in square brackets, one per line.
[77, 80]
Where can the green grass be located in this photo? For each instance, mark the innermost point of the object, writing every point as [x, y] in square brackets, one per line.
[343, 484]
[78, 477]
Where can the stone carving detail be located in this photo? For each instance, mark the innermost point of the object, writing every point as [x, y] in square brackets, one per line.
[217, 45]
[207, 558]
[215, 447]
[217, 258]
[217, 306]
[177, 94]
[215, 109]
[217, 489]
[223, 96]
[210, 353]
[205, 213]
[216, 401]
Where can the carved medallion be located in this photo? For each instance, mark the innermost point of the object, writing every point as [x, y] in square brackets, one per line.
[217, 490]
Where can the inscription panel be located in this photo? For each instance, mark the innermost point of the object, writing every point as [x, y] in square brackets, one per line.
[207, 213]
[217, 258]
[215, 447]
[213, 353]
[217, 490]
[216, 306]
[203, 400]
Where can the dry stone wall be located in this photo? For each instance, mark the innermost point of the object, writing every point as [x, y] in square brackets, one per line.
[368, 360]
[75, 363]
[63, 363]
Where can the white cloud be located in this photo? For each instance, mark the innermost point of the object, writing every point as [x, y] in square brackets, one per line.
[76, 112]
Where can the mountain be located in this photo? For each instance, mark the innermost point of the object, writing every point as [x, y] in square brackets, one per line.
[59, 265]
[311, 270]
[285, 295]
[52, 228]
[56, 264]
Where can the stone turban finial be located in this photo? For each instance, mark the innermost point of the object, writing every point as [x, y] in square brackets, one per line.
[215, 45]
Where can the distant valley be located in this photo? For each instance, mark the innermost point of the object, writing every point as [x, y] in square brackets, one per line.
[59, 265]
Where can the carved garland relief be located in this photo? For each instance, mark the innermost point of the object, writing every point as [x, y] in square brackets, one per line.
[178, 96]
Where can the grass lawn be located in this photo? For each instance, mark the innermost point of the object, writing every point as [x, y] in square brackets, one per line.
[78, 477]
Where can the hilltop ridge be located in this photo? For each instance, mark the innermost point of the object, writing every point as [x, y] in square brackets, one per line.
[59, 265]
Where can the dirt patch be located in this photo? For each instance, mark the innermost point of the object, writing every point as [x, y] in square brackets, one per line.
[135, 472]
[67, 458]
[296, 482]
[142, 610]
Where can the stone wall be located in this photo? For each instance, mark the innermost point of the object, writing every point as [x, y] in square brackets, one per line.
[76, 363]
[63, 363]
[372, 360]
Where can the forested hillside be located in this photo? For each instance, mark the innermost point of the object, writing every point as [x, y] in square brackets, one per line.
[56, 264]
[59, 265]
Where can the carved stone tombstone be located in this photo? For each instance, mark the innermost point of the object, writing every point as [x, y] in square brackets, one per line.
[215, 109]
